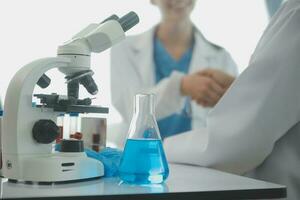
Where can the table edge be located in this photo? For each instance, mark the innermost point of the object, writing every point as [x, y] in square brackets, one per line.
[268, 193]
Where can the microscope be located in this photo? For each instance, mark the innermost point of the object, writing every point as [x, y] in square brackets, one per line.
[29, 131]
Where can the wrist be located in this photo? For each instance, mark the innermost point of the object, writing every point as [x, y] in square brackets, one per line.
[183, 85]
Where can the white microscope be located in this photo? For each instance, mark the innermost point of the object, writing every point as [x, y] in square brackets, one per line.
[29, 131]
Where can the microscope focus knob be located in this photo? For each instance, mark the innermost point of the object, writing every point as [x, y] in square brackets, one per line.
[45, 131]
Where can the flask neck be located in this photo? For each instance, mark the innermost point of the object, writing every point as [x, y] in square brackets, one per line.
[143, 124]
[144, 104]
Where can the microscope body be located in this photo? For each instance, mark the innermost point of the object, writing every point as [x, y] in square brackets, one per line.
[24, 158]
[29, 132]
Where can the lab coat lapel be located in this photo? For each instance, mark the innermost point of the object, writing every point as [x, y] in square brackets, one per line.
[203, 56]
[143, 57]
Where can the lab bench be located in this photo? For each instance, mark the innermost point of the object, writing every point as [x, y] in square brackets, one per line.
[185, 182]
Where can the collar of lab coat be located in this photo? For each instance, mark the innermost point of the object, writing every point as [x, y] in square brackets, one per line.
[142, 47]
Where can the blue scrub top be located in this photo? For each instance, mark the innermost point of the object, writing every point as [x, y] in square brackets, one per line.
[164, 65]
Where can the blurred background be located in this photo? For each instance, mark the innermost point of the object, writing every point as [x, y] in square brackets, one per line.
[33, 29]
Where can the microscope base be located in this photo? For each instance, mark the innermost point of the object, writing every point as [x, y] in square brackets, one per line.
[52, 183]
[56, 167]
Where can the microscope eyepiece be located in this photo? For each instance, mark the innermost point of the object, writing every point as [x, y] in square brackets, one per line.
[129, 20]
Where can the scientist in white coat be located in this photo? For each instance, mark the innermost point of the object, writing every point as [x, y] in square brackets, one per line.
[254, 129]
[158, 60]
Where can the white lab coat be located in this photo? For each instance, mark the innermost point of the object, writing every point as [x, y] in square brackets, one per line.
[133, 71]
[255, 127]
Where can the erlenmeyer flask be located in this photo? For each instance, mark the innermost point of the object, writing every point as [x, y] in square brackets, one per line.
[143, 160]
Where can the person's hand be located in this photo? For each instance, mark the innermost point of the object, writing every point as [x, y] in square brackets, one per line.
[203, 89]
[222, 78]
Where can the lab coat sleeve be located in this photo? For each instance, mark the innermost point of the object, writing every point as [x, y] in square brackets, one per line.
[259, 108]
[168, 95]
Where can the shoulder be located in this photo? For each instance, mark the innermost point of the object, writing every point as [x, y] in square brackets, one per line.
[134, 42]
[123, 45]
[210, 46]
[214, 53]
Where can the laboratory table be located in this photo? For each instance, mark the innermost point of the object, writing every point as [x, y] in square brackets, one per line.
[184, 182]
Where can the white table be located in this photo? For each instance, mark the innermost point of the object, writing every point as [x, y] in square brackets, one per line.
[184, 182]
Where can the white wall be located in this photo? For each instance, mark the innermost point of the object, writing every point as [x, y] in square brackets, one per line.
[32, 29]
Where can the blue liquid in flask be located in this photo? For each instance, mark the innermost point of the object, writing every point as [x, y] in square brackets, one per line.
[143, 162]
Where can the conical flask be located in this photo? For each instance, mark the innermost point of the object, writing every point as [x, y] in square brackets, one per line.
[143, 160]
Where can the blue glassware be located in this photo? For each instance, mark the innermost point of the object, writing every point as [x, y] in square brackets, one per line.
[143, 160]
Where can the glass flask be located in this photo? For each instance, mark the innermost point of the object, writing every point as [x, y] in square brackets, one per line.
[143, 160]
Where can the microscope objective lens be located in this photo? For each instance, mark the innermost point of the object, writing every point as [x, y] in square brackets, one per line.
[89, 83]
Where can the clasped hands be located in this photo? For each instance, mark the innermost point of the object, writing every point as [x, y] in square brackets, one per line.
[207, 86]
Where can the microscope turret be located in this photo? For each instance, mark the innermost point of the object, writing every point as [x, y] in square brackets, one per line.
[28, 132]
[94, 38]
